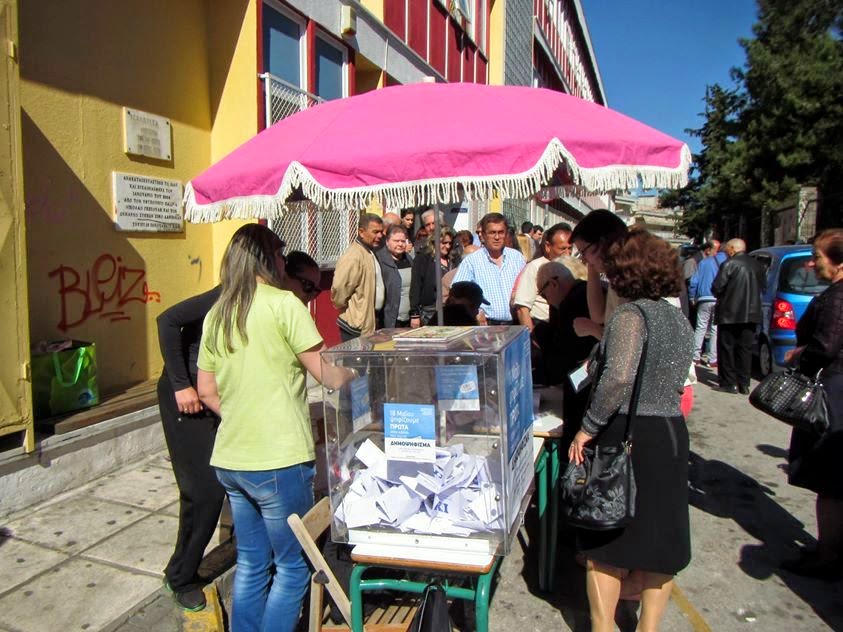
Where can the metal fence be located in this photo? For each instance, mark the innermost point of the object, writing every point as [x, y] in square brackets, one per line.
[324, 235]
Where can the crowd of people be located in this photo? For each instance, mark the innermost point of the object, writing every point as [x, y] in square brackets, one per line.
[390, 277]
[598, 295]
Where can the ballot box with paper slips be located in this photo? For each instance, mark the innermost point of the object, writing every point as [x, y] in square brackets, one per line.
[429, 437]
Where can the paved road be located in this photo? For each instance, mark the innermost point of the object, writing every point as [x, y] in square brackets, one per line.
[745, 519]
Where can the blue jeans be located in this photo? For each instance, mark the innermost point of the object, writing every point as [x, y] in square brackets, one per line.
[705, 324]
[265, 599]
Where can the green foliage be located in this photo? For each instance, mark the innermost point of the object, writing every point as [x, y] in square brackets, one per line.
[782, 126]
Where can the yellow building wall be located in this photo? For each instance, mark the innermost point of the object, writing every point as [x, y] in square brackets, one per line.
[375, 7]
[82, 61]
[496, 39]
[233, 84]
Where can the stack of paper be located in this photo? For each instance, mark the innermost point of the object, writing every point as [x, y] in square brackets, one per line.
[458, 498]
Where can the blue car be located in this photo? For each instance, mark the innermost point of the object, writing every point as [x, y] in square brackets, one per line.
[791, 285]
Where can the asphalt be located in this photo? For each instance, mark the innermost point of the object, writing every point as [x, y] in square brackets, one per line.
[91, 558]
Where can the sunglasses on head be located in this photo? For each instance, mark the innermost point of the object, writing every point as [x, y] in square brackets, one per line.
[308, 286]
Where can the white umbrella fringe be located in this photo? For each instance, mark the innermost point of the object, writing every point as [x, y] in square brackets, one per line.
[440, 191]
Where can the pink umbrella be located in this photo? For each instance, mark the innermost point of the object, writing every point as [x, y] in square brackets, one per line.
[426, 143]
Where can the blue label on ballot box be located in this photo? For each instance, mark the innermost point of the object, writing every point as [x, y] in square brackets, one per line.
[456, 387]
[410, 432]
[361, 413]
[519, 419]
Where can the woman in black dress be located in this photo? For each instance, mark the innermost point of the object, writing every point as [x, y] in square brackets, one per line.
[816, 463]
[656, 545]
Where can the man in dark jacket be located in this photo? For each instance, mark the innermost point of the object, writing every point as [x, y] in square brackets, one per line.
[737, 288]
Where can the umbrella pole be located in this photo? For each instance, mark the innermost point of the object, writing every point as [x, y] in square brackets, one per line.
[437, 253]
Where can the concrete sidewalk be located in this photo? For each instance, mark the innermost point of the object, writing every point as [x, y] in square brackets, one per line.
[92, 558]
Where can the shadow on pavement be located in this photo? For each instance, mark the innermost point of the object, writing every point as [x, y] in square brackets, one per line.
[568, 595]
[720, 489]
[772, 450]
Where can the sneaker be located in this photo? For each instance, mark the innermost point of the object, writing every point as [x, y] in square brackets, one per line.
[192, 600]
[711, 365]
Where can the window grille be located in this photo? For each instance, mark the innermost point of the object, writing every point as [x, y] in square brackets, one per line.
[324, 235]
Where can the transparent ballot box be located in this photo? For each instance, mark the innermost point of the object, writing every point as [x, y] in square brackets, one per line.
[429, 437]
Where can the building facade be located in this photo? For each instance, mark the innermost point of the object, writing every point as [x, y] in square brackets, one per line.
[81, 76]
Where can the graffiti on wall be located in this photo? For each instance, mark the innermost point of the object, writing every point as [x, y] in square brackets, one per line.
[104, 290]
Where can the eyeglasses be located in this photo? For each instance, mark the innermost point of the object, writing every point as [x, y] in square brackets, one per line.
[308, 286]
[544, 286]
[581, 254]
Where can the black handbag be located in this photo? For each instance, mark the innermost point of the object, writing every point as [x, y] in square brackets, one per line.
[599, 493]
[432, 614]
[794, 398]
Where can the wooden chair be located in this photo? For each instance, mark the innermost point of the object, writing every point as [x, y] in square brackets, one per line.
[308, 529]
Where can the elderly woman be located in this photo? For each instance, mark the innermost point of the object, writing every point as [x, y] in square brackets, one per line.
[423, 282]
[815, 462]
[396, 269]
[656, 545]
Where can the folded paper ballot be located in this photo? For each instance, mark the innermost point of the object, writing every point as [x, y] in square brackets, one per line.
[456, 498]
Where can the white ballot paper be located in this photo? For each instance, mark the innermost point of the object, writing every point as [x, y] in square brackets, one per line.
[579, 377]
[457, 498]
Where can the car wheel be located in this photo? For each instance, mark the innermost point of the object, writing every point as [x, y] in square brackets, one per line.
[765, 358]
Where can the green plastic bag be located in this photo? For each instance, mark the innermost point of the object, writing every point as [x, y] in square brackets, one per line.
[66, 380]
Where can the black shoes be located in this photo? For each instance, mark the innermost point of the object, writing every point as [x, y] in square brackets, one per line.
[808, 565]
[192, 600]
[743, 390]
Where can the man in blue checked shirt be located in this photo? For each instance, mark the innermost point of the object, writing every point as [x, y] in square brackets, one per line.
[494, 267]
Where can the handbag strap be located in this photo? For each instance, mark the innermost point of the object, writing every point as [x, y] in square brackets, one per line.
[636, 388]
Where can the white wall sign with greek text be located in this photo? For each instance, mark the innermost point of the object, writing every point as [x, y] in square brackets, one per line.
[147, 134]
[144, 204]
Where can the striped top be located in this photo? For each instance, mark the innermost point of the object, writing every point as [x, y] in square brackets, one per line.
[495, 281]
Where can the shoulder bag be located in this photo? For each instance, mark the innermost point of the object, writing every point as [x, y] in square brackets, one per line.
[794, 398]
[599, 493]
[432, 614]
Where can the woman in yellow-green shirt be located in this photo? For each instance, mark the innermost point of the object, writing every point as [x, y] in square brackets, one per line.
[258, 340]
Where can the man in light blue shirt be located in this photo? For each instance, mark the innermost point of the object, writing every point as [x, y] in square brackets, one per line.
[494, 268]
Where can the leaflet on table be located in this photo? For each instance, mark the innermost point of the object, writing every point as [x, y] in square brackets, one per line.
[457, 499]
[579, 377]
[410, 432]
[457, 387]
[361, 411]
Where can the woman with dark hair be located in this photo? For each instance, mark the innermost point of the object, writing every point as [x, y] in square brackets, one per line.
[302, 276]
[656, 545]
[257, 342]
[189, 429]
[594, 238]
[423, 282]
[816, 463]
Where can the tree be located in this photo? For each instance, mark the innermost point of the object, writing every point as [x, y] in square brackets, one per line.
[793, 118]
[781, 127]
[717, 190]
